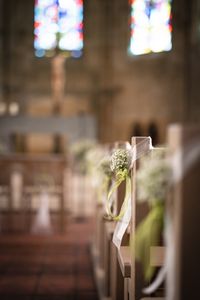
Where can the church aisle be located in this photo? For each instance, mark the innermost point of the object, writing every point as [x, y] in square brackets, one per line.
[54, 267]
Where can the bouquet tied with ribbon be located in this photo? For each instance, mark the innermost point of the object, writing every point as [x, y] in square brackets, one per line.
[120, 165]
[152, 185]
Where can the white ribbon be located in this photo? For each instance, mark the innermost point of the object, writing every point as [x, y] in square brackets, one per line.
[122, 225]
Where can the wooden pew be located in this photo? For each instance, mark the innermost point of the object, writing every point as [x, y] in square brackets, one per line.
[115, 276]
[104, 258]
[114, 285]
[124, 259]
[124, 253]
[183, 275]
[120, 259]
[102, 245]
[135, 284]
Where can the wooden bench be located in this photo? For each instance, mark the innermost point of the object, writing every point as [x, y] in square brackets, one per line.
[184, 213]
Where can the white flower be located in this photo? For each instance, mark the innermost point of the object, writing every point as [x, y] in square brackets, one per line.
[79, 152]
[104, 167]
[120, 160]
[153, 178]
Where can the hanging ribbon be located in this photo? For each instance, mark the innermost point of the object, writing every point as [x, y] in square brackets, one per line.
[125, 202]
[122, 225]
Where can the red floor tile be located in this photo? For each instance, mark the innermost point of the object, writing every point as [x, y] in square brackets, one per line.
[53, 267]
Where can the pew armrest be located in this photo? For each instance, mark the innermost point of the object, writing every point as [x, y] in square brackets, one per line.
[124, 258]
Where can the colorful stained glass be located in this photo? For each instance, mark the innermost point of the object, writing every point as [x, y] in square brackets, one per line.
[58, 25]
[150, 26]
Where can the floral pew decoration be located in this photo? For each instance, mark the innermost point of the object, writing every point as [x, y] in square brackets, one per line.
[93, 160]
[80, 187]
[98, 168]
[153, 178]
[79, 151]
[121, 163]
[105, 175]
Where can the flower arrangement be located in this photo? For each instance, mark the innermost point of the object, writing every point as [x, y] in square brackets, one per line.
[99, 170]
[79, 152]
[153, 178]
[105, 169]
[120, 164]
[104, 175]
[94, 156]
[152, 185]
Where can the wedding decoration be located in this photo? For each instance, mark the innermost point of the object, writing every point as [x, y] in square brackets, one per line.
[120, 164]
[152, 183]
[153, 178]
[94, 156]
[136, 152]
[105, 169]
[79, 152]
[98, 168]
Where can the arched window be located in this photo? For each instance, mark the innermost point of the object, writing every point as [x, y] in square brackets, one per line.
[150, 26]
[58, 25]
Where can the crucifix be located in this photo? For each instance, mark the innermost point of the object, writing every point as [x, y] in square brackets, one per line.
[57, 88]
[58, 29]
[57, 82]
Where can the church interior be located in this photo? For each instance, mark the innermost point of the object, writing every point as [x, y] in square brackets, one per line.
[99, 149]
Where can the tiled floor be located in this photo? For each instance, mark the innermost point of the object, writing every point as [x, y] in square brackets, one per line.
[54, 267]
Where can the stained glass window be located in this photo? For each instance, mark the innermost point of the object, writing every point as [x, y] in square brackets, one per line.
[150, 26]
[58, 25]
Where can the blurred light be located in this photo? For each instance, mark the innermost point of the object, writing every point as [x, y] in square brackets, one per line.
[13, 108]
[76, 54]
[58, 23]
[150, 26]
[39, 52]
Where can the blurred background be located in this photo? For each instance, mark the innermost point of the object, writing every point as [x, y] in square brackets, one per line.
[99, 85]
[70, 70]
